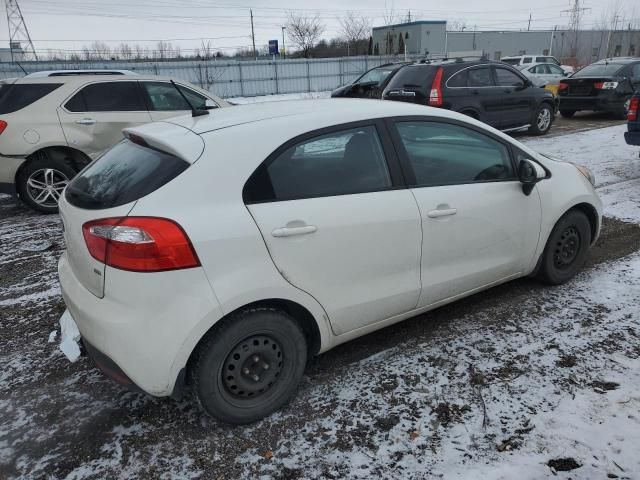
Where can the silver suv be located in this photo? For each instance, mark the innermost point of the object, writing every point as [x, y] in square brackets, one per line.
[52, 124]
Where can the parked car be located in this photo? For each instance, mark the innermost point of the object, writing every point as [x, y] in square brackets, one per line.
[491, 92]
[371, 83]
[548, 74]
[196, 258]
[54, 123]
[518, 60]
[603, 86]
[632, 135]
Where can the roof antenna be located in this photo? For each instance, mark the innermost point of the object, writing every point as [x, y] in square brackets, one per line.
[194, 111]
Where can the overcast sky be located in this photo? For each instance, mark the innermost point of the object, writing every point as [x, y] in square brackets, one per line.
[69, 24]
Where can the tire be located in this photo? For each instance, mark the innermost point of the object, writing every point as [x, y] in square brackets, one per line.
[567, 113]
[566, 248]
[542, 120]
[39, 173]
[249, 366]
[621, 112]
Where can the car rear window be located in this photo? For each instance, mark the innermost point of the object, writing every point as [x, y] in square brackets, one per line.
[599, 70]
[511, 61]
[125, 173]
[15, 97]
[418, 76]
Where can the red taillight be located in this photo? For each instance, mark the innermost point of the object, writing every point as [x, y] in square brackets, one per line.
[435, 97]
[634, 106]
[598, 85]
[140, 244]
[3, 125]
[563, 86]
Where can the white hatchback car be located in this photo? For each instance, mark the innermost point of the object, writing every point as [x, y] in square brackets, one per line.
[220, 252]
[52, 124]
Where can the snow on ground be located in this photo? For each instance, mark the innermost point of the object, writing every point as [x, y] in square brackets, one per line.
[278, 98]
[497, 386]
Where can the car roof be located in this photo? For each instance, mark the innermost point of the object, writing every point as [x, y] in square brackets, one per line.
[84, 78]
[617, 60]
[318, 113]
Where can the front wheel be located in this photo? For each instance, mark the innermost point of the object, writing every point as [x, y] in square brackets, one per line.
[566, 249]
[249, 366]
[42, 180]
[542, 120]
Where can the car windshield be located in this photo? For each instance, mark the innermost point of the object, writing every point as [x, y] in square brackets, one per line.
[547, 60]
[599, 69]
[376, 75]
[511, 61]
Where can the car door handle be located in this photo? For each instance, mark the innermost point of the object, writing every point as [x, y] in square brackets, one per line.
[86, 121]
[445, 212]
[291, 231]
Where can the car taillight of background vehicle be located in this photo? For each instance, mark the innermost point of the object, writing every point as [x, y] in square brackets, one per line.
[563, 86]
[605, 85]
[3, 126]
[435, 97]
[140, 244]
[634, 106]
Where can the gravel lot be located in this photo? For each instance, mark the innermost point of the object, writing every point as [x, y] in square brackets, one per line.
[483, 385]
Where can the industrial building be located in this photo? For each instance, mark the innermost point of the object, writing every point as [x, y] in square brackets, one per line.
[579, 47]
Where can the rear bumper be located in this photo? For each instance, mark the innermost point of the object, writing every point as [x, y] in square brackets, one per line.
[140, 333]
[632, 138]
[596, 104]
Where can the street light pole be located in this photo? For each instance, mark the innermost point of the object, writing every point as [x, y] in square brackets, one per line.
[284, 50]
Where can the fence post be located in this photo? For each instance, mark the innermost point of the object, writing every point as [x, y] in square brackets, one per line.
[275, 69]
[308, 76]
[241, 80]
[341, 70]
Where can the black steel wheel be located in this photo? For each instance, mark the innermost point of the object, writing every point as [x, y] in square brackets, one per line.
[566, 248]
[249, 365]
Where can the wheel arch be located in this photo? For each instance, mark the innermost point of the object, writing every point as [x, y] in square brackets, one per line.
[77, 158]
[592, 215]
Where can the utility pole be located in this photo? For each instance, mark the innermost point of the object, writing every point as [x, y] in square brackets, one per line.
[615, 27]
[529, 26]
[18, 33]
[284, 50]
[575, 13]
[253, 36]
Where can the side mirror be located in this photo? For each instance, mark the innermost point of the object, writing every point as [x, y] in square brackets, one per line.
[210, 104]
[530, 173]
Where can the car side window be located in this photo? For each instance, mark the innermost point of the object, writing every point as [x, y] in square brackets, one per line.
[554, 69]
[458, 79]
[338, 163]
[479, 77]
[447, 154]
[163, 96]
[507, 78]
[107, 97]
[527, 60]
[636, 71]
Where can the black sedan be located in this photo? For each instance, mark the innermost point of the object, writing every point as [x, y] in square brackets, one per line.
[371, 83]
[604, 86]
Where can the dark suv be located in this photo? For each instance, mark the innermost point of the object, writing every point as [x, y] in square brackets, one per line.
[632, 135]
[371, 83]
[492, 92]
[604, 86]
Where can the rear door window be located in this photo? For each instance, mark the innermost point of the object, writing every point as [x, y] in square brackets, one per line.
[125, 173]
[458, 80]
[479, 77]
[107, 97]
[338, 163]
[15, 97]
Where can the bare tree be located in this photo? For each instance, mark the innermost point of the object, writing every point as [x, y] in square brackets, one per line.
[163, 50]
[125, 51]
[304, 31]
[206, 50]
[355, 29]
[389, 16]
[457, 25]
[100, 50]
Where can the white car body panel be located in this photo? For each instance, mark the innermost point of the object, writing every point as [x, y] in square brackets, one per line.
[498, 233]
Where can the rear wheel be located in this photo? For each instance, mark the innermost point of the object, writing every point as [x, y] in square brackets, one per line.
[42, 180]
[249, 366]
[566, 249]
[542, 120]
[567, 113]
[621, 113]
